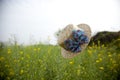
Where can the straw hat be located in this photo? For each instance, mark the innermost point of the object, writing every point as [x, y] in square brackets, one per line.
[74, 39]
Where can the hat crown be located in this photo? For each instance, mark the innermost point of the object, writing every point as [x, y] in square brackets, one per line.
[66, 32]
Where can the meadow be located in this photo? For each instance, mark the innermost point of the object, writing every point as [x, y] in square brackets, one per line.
[44, 62]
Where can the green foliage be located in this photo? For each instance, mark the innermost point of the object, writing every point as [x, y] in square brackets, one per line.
[116, 45]
[44, 62]
[105, 37]
[1, 45]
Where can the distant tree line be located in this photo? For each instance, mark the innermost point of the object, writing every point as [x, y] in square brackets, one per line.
[105, 37]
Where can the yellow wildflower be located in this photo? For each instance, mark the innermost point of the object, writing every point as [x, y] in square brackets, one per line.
[27, 65]
[79, 66]
[97, 61]
[101, 68]
[109, 55]
[38, 49]
[100, 59]
[21, 52]
[9, 51]
[35, 49]
[99, 55]
[40, 60]
[78, 72]
[28, 56]
[83, 68]
[103, 46]
[8, 78]
[111, 68]
[44, 68]
[113, 61]
[22, 58]
[90, 52]
[118, 55]
[71, 62]
[11, 73]
[15, 60]
[42, 79]
[6, 65]
[18, 61]
[90, 47]
[98, 47]
[21, 71]
[114, 66]
[2, 58]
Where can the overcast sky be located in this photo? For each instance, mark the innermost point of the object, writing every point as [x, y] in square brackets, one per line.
[36, 20]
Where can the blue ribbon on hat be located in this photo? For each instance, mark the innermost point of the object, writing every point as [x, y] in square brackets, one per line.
[74, 44]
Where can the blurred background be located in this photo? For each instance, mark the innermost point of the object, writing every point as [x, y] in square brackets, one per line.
[27, 25]
[33, 21]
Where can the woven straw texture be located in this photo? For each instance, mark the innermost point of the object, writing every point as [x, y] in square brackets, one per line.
[66, 33]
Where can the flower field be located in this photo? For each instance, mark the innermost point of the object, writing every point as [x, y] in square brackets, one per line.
[44, 62]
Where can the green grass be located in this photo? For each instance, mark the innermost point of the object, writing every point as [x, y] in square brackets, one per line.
[44, 62]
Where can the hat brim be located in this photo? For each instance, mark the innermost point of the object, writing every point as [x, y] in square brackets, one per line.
[87, 30]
